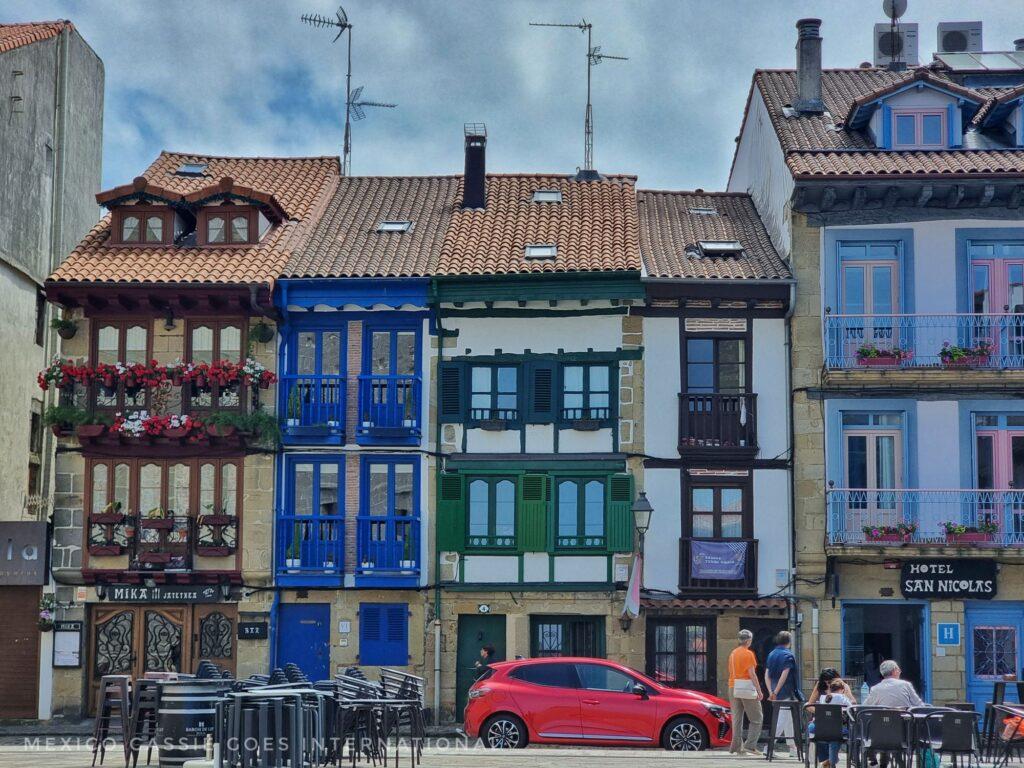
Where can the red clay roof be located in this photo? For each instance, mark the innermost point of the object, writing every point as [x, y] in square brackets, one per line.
[302, 186]
[672, 224]
[594, 227]
[820, 145]
[345, 242]
[16, 35]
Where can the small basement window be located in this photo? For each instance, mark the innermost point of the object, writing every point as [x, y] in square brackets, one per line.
[720, 247]
[394, 226]
[547, 196]
[191, 169]
[541, 251]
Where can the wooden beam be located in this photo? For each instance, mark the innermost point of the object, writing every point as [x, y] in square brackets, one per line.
[987, 195]
[1015, 197]
[97, 302]
[892, 196]
[924, 195]
[956, 195]
[799, 197]
[860, 197]
[828, 198]
[127, 302]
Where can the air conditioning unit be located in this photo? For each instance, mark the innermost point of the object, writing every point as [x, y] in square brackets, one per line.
[902, 46]
[958, 36]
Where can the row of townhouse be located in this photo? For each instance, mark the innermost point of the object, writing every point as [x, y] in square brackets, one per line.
[384, 421]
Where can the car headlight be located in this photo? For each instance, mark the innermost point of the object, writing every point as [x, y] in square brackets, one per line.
[716, 710]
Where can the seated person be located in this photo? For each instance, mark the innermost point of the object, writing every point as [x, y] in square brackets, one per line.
[891, 691]
[828, 751]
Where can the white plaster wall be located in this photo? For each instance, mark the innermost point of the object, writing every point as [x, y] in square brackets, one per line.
[490, 441]
[484, 569]
[769, 383]
[484, 335]
[759, 168]
[576, 441]
[535, 566]
[581, 569]
[938, 444]
[661, 545]
[540, 438]
[661, 387]
[772, 526]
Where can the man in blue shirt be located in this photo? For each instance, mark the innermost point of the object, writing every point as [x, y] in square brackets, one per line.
[783, 681]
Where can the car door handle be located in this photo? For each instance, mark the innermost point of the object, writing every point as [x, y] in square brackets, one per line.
[590, 701]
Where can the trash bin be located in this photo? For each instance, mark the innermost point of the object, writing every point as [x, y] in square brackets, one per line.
[187, 713]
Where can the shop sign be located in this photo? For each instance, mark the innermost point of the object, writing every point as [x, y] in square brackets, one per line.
[718, 560]
[253, 630]
[949, 579]
[162, 593]
[67, 643]
[948, 633]
[23, 553]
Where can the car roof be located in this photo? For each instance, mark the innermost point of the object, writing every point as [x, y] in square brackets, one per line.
[553, 660]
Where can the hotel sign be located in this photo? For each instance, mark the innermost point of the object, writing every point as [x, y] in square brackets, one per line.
[23, 549]
[949, 579]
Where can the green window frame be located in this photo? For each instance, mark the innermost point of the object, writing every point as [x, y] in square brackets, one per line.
[587, 391]
[491, 512]
[580, 513]
[494, 392]
[580, 636]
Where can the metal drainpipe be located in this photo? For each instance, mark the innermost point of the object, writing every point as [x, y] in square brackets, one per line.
[437, 491]
[279, 471]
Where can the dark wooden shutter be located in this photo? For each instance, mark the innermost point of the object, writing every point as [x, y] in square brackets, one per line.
[451, 513]
[450, 392]
[542, 392]
[532, 532]
[620, 513]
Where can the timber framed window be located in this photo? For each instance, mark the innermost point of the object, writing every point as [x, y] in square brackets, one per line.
[919, 129]
[580, 513]
[586, 392]
[491, 512]
[125, 341]
[142, 225]
[228, 225]
[494, 393]
[210, 341]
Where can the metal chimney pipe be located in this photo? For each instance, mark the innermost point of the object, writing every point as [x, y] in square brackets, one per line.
[474, 183]
[808, 66]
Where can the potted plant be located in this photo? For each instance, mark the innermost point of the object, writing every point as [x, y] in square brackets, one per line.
[47, 605]
[175, 372]
[872, 356]
[408, 562]
[294, 406]
[157, 519]
[954, 356]
[293, 557]
[901, 532]
[959, 533]
[262, 332]
[63, 419]
[66, 329]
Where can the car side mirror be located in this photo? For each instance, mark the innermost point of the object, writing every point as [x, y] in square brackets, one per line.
[639, 690]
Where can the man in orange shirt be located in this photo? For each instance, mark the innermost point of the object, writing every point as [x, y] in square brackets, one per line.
[745, 696]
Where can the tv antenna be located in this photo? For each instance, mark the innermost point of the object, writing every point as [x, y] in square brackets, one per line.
[594, 57]
[353, 104]
[894, 9]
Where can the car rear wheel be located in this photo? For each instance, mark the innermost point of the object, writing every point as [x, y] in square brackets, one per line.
[504, 732]
[684, 734]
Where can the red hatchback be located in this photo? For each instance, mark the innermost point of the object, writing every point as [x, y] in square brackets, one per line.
[589, 701]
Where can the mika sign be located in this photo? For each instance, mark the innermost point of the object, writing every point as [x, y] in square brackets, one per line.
[946, 579]
[23, 548]
[169, 593]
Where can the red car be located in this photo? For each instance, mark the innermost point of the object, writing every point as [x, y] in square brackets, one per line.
[589, 701]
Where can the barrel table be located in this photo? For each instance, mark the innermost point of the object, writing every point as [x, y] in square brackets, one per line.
[187, 714]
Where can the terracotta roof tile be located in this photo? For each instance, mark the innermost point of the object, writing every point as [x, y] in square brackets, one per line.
[16, 35]
[594, 227]
[820, 145]
[670, 231]
[345, 242]
[302, 186]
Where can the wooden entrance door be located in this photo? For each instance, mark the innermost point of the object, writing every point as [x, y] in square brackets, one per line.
[136, 639]
[19, 660]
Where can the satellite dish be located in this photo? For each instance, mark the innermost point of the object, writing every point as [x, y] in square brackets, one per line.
[894, 8]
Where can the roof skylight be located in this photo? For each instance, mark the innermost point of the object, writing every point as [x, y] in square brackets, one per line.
[720, 247]
[191, 169]
[703, 211]
[394, 226]
[547, 196]
[541, 251]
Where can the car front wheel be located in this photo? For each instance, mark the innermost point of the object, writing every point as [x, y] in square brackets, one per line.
[685, 734]
[504, 732]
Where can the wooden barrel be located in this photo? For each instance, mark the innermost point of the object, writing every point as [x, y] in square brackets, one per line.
[187, 714]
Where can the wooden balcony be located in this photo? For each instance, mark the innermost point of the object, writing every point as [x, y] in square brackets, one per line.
[718, 427]
[723, 567]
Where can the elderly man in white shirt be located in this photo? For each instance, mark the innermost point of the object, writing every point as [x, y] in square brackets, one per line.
[891, 691]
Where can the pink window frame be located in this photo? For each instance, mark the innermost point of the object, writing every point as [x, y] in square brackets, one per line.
[918, 113]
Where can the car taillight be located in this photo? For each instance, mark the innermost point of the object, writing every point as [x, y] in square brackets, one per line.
[476, 693]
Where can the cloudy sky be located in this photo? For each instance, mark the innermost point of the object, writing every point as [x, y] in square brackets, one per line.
[247, 77]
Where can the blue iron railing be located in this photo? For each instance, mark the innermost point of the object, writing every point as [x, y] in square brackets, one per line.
[992, 341]
[310, 544]
[313, 402]
[388, 545]
[389, 403]
[918, 516]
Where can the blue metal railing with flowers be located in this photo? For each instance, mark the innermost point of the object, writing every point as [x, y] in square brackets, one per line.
[925, 516]
[989, 341]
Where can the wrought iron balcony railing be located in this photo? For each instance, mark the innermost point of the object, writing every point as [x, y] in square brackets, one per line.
[895, 517]
[986, 341]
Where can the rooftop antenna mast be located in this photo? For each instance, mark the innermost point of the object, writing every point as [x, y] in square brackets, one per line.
[894, 9]
[594, 57]
[353, 103]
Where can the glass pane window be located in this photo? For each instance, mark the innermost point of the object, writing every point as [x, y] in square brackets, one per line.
[381, 362]
[378, 489]
[494, 392]
[917, 128]
[994, 652]
[231, 343]
[130, 229]
[208, 488]
[229, 488]
[585, 392]
[507, 391]
[154, 229]
[306, 353]
[403, 490]
[100, 488]
[906, 129]
[330, 364]
[328, 501]
[122, 479]
[718, 512]
[478, 510]
[492, 512]
[566, 636]
[202, 344]
[215, 232]
[107, 346]
[239, 229]
[931, 129]
[716, 365]
[581, 518]
[178, 481]
[135, 344]
[405, 353]
[303, 503]
[505, 509]
[150, 481]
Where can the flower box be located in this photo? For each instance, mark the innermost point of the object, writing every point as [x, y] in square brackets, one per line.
[900, 538]
[221, 430]
[176, 433]
[89, 431]
[156, 558]
[969, 538]
[106, 550]
[967, 361]
[213, 551]
[107, 518]
[216, 519]
[493, 425]
[157, 523]
[60, 430]
[586, 425]
[882, 361]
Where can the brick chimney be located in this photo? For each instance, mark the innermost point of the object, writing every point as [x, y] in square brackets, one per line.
[474, 185]
[808, 67]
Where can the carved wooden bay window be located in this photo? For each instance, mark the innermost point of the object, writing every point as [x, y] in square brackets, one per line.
[228, 225]
[209, 341]
[125, 341]
[163, 511]
[142, 225]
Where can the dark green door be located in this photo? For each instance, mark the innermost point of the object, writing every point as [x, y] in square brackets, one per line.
[474, 633]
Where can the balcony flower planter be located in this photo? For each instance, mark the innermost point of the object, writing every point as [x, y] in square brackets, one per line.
[106, 550]
[154, 558]
[889, 538]
[967, 361]
[216, 519]
[176, 378]
[61, 430]
[107, 518]
[212, 551]
[176, 433]
[221, 430]
[494, 425]
[90, 431]
[586, 425]
[882, 361]
[970, 538]
[157, 523]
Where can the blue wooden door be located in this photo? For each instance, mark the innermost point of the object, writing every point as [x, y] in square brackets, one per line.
[304, 638]
[994, 635]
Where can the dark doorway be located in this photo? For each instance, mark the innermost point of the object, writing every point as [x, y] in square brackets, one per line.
[764, 631]
[681, 653]
[874, 632]
[474, 633]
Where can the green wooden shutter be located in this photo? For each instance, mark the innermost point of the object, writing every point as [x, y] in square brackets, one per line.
[450, 392]
[532, 531]
[541, 393]
[451, 514]
[620, 513]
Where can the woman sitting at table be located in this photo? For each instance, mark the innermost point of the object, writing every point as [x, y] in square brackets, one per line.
[838, 692]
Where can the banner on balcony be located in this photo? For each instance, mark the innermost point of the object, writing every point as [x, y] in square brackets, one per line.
[725, 560]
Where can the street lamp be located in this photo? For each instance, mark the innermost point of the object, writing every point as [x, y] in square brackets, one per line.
[642, 511]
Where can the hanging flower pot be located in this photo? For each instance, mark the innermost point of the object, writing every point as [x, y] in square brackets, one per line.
[262, 332]
[221, 430]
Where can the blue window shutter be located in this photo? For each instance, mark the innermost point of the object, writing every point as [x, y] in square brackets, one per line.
[383, 634]
[954, 138]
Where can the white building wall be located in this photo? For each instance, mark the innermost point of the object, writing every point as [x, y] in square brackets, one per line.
[769, 383]
[662, 383]
[772, 528]
[661, 545]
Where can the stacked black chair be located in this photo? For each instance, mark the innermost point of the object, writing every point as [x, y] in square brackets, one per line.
[1001, 749]
[113, 716]
[142, 723]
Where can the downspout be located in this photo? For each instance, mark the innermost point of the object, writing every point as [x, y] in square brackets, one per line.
[278, 468]
[437, 490]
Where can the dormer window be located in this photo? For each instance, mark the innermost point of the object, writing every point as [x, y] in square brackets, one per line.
[137, 226]
[919, 129]
[228, 225]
